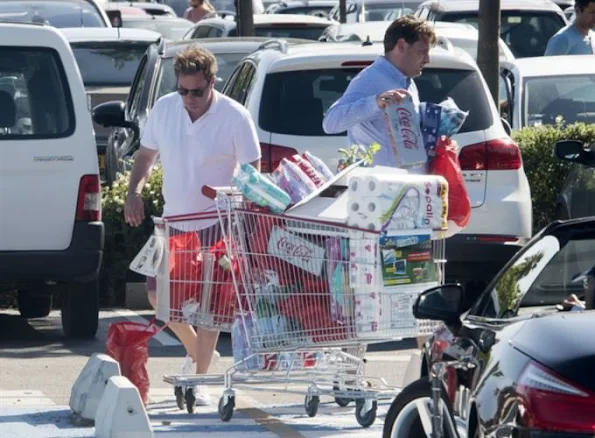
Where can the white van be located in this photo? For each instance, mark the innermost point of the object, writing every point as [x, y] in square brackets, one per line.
[51, 234]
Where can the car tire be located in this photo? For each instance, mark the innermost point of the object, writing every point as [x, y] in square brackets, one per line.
[80, 310]
[34, 305]
[420, 389]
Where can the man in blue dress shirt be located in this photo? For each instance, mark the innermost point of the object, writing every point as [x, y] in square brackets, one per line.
[577, 38]
[360, 110]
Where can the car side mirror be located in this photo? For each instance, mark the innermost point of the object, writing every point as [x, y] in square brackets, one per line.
[111, 114]
[574, 151]
[442, 303]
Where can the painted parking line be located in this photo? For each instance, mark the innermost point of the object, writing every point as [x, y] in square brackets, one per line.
[24, 398]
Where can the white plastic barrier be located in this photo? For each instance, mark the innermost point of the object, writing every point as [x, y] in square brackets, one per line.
[90, 385]
[121, 413]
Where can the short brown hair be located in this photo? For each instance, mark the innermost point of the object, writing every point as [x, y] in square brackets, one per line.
[410, 29]
[195, 59]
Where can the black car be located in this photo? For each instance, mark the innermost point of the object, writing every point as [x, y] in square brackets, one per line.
[154, 78]
[577, 197]
[523, 359]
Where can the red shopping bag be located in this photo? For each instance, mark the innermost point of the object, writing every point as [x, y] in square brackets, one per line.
[185, 270]
[127, 343]
[223, 297]
[446, 163]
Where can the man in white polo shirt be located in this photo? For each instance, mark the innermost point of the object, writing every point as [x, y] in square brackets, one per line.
[201, 136]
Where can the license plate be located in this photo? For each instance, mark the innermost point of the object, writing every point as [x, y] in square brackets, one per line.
[101, 159]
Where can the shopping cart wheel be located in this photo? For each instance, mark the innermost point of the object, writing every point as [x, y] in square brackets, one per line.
[190, 399]
[226, 409]
[341, 401]
[311, 405]
[179, 392]
[365, 419]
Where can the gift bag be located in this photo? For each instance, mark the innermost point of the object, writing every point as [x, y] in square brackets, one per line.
[127, 343]
[446, 163]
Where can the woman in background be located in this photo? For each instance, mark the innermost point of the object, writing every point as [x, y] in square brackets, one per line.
[198, 10]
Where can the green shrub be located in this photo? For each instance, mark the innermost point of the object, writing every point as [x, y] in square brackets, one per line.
[123, 242]
[545, 172]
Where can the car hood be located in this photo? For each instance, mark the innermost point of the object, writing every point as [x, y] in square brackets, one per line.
[563, 342]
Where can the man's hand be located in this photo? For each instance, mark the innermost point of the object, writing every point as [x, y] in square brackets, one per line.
[134, 210]
[391, 96]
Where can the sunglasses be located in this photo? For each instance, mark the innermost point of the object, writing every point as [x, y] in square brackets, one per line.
[196, 92]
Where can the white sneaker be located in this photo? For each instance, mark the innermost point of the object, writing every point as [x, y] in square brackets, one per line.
[216, 357]
[189, 366]
[203, 398]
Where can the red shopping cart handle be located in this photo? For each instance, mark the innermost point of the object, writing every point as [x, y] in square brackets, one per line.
[209, 192]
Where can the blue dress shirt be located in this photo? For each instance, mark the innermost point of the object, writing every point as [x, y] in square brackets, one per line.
[357, 111]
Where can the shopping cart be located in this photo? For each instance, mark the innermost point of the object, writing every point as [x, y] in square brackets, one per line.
[310, 298]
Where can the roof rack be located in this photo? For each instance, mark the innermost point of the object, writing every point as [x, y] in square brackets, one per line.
[277, 44]
[161, 42]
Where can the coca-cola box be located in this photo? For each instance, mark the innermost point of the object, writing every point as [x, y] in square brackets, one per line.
[295, 250]
[404, 131]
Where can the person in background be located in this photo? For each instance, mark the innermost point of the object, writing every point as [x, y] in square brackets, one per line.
[198, 10]
[201, 137]
[360, 110]
[578, 37]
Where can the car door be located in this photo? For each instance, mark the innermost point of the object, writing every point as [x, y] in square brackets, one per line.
[581, 187]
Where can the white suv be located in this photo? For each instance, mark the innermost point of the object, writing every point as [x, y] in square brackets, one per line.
[288, 89]
[51, 234]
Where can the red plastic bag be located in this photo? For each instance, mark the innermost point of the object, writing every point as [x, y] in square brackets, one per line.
[446, 164]
[127, 343]
[223, 296]
[185, 270]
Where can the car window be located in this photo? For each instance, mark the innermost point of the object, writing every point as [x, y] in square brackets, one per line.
[289, 31]
[35, 99]
[170, 29]
[166, 83]
[201, 31]
[55, 13]
[502, 300]
[556, 99]
[108, 63]
[525, 32]
[136, 91]
[287, 96]
[242, 83]
[214, 32]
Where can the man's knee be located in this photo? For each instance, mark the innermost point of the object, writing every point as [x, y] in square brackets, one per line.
[152, 296]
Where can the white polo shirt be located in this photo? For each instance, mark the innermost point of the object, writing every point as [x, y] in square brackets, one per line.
[204, 152]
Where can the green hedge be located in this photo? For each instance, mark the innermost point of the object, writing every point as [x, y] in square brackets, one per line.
[546, 176]
[545, 172]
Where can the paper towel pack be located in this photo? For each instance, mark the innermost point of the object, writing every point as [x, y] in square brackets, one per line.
[386, 202]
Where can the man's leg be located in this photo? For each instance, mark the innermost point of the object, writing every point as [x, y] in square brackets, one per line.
[206, 342]
[184, 332]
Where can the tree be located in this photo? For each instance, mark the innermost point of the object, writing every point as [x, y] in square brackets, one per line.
[488, 54]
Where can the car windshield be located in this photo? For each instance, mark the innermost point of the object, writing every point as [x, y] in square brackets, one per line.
[226, 63]
[308, 32]
[294, 103]
[108, 63]
[526, 33]
[170, 29]
[54, 13]
[556, 99]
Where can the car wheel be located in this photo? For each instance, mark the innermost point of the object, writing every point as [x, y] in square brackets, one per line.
[80, 310]
[34, 305]
[403, 419]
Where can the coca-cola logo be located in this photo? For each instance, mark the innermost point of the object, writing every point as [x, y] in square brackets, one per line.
[407, 131]
[297, 251]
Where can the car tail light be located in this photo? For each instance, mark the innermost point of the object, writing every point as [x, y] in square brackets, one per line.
[552, 403]
[272, 156]
[88, 207]
[498, 154]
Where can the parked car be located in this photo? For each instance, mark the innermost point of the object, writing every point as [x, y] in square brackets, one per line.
[56, 13]
[577, 197]
[318, 8]
[374, 10]
[151, 8]
[288, 89]
[154, 78]
[108, 60]
[525, 363]
[171, 28]
[526, 25]
[464, 36]
[265, 25]
[52, 234]
[537, 91]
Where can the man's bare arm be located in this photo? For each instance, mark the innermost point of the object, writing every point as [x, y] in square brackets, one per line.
[256, 164]
[144, 159]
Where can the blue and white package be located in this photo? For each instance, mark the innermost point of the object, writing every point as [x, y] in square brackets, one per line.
[451, 118]
[259, 189]
[430, 115]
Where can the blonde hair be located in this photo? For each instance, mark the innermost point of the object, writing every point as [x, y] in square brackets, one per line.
[195, 59]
